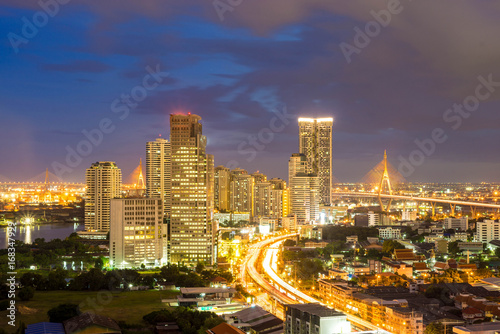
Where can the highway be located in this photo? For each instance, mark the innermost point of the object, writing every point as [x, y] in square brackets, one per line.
[279, 289]
[417, 199]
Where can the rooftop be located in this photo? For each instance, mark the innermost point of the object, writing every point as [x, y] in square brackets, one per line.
[45, 328]
[200, 290]
[316, 309]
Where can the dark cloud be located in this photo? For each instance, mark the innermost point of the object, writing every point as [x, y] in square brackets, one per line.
[265, 55]
[81, 66]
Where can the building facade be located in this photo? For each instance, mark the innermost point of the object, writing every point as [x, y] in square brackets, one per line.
[222, 188]
[159, 172]
[487, 231]
[137, 235]
[104, 181]
[314, 319]
[389, 232]
[457, 223]
[315, 141]
[191, 236]
[304, 190]
[242, 192]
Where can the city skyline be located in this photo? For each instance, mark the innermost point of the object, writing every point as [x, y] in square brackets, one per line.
[395, 90]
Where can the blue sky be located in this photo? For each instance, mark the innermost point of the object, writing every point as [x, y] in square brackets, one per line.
[237, 73]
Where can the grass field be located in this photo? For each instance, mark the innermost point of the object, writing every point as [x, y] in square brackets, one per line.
[129, 306]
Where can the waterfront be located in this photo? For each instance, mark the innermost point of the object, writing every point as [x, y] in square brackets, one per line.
[28, 233]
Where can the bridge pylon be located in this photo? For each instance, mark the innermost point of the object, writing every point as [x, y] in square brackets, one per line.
[385, 180]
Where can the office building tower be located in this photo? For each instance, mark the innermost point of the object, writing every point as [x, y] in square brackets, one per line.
[242, 192]
[304, 190]
[159, 172]
[315, 141]
[137, 236]
[104, 182]
[191, 228]
[222, 188]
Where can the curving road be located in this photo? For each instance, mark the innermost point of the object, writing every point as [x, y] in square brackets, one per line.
[279, 289]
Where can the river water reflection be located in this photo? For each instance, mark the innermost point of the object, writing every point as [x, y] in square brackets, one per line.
[28, 233]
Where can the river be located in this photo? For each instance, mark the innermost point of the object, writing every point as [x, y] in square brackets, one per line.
[28, 233]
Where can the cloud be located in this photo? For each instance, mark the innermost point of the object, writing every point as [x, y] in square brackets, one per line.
[83, 66]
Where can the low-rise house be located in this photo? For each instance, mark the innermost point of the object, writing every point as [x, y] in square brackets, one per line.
[471, 314]
[397, 267]
[405, 255]
[225, 329]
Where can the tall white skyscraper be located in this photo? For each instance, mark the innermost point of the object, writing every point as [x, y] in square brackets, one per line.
[137, 233]
[304, 190]
[316, 143]
[159, 172]
[192, 230]
[104, 181]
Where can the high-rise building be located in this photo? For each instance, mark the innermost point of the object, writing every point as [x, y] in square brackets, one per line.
[159, 172]
[222, 188]
[242, 192]
[191, 229]
[259, 177]
[315, 141]
[279, 199]
[487, 230]
[137, 233]
[104, 182]
[304, 190]
[262, 199]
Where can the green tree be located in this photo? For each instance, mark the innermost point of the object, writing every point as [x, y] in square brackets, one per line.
[57, 279]
[434, 328]
[99, 263]
[453, 248]
[483, 273]
[26, 293]
[63, 312]
[390, 245]
[31, 279]
[200, 267]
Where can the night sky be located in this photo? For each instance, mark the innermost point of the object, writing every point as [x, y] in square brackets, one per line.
[240, 65]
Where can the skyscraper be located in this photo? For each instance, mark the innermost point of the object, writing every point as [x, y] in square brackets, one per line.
[262, 198]
[279, 198]
[316, 143]
[104, 181]
[242, 192]
[191, 230]
[222, 182]
[159, 172]
[304, 190]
